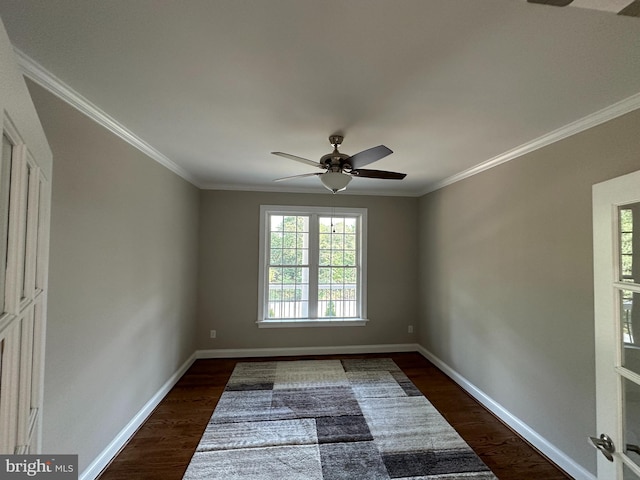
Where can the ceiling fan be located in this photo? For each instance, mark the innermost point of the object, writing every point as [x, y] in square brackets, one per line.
[339, 168]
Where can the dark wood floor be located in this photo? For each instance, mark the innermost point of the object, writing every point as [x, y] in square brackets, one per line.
[163, 446]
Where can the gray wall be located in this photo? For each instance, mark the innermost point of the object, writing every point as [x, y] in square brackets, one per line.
[228, 280]
[507, 283]
[494, 271]
[122, 281]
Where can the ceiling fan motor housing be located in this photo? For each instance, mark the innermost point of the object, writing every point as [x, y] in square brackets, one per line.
[335, 161]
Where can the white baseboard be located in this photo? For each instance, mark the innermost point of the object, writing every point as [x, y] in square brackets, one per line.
[288, 351]
[534, 438]
[557, 456]
[103, 459]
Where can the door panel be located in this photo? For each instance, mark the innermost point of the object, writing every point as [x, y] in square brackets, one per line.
[25, 170]
[616, 229]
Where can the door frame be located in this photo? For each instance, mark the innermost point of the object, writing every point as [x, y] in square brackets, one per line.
[608, 196]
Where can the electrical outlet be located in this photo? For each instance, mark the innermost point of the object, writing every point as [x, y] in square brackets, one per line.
[213, 334]
[410, 329]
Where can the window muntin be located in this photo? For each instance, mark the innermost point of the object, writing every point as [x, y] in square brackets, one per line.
[312, 264]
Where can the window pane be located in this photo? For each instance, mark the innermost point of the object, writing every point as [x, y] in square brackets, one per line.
[337, 286]
[290, 223]
[276, 240]
[289, 240]
[350, 275]
[628, 473]
[337, 242]
[337, 275]
[289, 284]
[275, 292]
[325, 257]
[302, 240]
[324, 275]
[337, 258]
[289, 256]
[275, 275]
[40, 263]
[276, 223]
[630, 325]
[5, 185]
[629, 242]
[276, 256]
[350, 224]
[325, 241]
[26, 232]
[349, 258]
[632, 419]
[350, 242]
[289, 275]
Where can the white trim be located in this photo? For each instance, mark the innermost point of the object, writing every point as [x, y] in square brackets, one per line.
[104, 458]
[109, 453]
[318, 190]
[36, 72]
[294, 323]
[292, 351]
[608, 113]
[556, 455]
[313, 213]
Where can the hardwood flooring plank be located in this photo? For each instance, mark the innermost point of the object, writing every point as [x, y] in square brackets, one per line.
[162, 448]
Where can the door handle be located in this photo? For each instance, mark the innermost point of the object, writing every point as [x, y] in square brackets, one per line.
[633, 448]
[605, 445]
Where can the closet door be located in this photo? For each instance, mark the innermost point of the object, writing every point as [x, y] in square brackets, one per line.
[25, 169]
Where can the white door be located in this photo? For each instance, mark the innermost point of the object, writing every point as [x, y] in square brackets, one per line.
[616, 227]
[25, 172]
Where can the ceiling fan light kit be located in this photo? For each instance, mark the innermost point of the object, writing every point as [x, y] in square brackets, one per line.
[335, 181]
[340, 168]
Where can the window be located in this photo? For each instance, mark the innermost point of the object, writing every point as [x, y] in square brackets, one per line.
[312, 266]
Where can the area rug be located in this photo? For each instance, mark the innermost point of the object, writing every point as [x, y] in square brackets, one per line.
[329, 420]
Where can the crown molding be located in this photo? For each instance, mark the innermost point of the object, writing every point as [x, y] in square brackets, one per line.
[36, 72]
[608, 113]
[318, 190]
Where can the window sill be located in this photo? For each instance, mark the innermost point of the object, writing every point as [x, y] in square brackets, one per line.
[338, 322]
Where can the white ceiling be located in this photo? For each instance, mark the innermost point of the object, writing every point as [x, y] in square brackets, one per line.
[216, 85]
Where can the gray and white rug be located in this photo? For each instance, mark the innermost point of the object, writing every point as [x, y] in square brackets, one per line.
[329, 420]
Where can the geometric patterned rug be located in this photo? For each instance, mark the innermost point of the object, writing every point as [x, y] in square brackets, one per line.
[329, 420]
[630, 8]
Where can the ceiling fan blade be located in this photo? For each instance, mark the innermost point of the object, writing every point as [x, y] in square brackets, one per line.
[298, 159]
[297, 176]
[362, 172]
[369, 156]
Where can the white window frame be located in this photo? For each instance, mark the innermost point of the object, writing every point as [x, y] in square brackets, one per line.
[263, 291]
